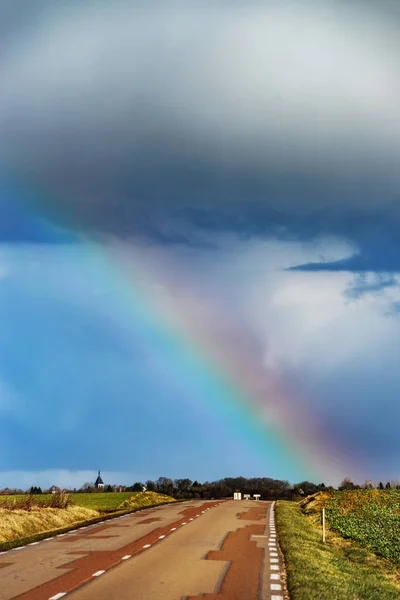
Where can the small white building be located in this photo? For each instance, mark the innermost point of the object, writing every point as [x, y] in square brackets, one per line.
[257, 496]
[237, 495]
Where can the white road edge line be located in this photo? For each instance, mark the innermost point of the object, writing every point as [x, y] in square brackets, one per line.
[147, 546]
[126, 557]
[98, 573]
[57, 596]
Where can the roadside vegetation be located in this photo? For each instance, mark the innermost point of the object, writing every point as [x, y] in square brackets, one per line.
[371, 517]
[143, 499]
[101, 501]
[20, 523]
[27, 518]
[335, 570]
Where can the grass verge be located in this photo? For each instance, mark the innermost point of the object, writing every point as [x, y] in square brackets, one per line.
[15, 524]
[336, 570]
[29, 537]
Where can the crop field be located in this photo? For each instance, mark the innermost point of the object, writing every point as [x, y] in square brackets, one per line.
[370, 517]
[103, 501]
[100, 501]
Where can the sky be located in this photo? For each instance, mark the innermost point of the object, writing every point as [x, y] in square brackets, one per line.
[199, 240]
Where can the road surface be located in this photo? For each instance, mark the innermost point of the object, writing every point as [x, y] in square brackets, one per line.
[192, 550]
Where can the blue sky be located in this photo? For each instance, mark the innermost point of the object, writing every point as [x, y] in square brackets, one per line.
[247, 159]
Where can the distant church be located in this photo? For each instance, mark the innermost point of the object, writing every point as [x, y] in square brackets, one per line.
[99, 483]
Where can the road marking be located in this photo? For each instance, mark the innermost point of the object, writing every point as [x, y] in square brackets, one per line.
[274, 597]
[5, 552]
[20, 548]
[98, 573]
[126, 557]
[173, 529]
[275, 576]
[147, 546]
[273, 554]
[161, 537]
[275, 587]
[274, 560]
[274, 568]
[183, 523]
[33, 544]
[57, 596]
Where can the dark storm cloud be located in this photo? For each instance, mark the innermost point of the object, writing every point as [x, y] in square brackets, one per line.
[137, 119]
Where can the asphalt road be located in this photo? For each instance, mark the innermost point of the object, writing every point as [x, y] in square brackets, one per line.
[226, 550]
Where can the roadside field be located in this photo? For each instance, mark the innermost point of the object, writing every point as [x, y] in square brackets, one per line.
[24, 519]
[335, 570]
[370, 517]
[103, 501]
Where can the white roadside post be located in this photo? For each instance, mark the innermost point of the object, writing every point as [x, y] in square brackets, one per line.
[323, 525]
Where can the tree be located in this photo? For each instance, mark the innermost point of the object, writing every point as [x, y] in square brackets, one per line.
[150, 486]
[137, 487]
[87, 487]
[380, 485]
[347, 484]
[388, 486]
[182, 485]
[165, 485]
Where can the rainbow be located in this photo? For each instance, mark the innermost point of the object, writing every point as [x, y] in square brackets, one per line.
[188, 350]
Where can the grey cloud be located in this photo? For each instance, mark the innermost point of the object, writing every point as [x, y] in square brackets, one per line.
[130, 109]
[374, 284]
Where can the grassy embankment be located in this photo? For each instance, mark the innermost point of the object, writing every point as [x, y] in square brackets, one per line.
[24, 519]
[338, 569]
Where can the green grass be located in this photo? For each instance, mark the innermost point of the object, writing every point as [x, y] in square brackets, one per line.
[337, 570]
[9, 501]
[370, 517]
[103, 501]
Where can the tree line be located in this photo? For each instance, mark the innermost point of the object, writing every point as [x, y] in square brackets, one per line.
[268, 488]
